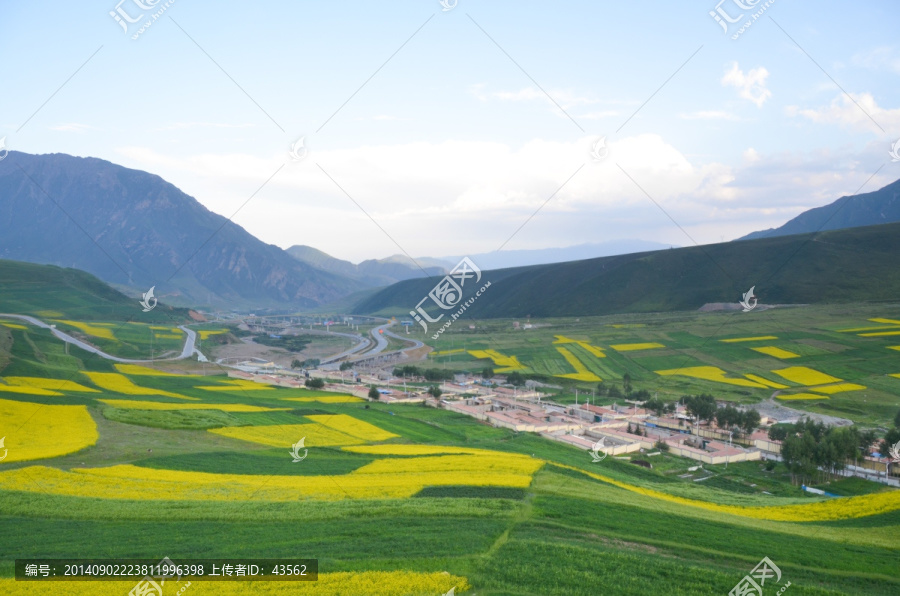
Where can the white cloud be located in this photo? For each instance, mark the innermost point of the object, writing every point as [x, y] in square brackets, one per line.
[750, 85]
[882, 58]
[852, 113]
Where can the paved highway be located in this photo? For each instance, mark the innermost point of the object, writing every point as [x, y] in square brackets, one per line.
[186, 352]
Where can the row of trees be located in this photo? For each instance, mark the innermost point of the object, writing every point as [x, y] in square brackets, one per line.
[627, 390]
[814, 452]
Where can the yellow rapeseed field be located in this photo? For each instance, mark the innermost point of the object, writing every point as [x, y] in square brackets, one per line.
[766, 382]
[739, 339]
[117, 383]
[830, 510]
[775, 352]
[206, 333]
[14, 325]
[355, 583]
[94, 330]
[166, 336]
[839, 388]
[157, 405]
[353, 427]
[805, 376]
[886, 321]
[582, 373]
[36, 431]
[51, 384]
[709, 373]
[633, 347]
[509, 363]
[392, 478]
[144, 371]
[593, 350]
[28, 390]
[235, 385]
[285, 435]
[800, 396]
[328, 399]
[894, 348]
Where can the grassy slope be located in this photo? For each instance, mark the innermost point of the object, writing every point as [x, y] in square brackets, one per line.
[829, 267]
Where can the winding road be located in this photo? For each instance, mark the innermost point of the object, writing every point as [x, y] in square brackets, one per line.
[186, 352]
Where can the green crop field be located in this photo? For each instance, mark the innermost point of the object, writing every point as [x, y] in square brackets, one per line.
[202, 468]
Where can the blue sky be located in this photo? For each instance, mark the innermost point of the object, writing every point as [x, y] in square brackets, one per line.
[453, 144]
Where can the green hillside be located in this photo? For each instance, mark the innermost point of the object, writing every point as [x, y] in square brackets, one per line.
[50, 291]
[837, 266]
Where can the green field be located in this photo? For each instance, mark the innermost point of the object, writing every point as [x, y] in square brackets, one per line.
[564, 533]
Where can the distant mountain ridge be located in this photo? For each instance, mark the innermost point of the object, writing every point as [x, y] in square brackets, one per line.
[133, 229]
[872, 208]
[372, 272]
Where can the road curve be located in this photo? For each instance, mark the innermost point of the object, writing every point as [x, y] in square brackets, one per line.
[186, 352]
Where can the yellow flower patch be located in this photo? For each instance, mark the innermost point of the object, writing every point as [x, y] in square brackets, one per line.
[757, 338]
[353, 427]
[396, 478]
[830, 510]
[800, 396]
[285, 435]
[894, 348]
[121, 384]
[879, 334]
[166, 336]
[137, 370]
[51, 384]
[839, 388]
[509, 363]
[766, 382]
[328, 399]
[806, 376]
[593, 350]
[582, 373]
[236, 385]
[775, 352]
[94, 330]
[29, 390]
[886, 321]
[169, 329]
[14, 325]
[206, 333]
[35, 431]
[158, 405]
[344, 583]
[709, 373]
[633, 347]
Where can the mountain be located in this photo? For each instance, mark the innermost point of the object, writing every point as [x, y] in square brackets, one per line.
[857, 264]
[135, 230]
[373, 272]
[868, 209]
[521, 258]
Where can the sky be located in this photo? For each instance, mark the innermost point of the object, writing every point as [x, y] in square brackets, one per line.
[462, 128]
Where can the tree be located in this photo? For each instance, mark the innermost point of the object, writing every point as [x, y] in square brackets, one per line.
[897, 419]
[602, 389]
[661, 446]
[749, 420]
[777, 432]
[374, 393]
[487, 373]
[614, 391]
[347, 365]
[626, 384]
[314, 383]
[658, 406]
[701, 407]
[296, 363]
[890, 439]
[515, 378]
[434, 391]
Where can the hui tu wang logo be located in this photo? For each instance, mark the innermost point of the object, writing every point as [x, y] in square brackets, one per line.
[147, 298]
[599, 151]
[298, 150]
[764, 570]
[448, 5]
[125, 19]
[725, 20]
[5, 451]
[3, 150]
[893, 450]
[448, 294]
[749, 300]
[295, 451]
[894, 152]
[596, 454]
